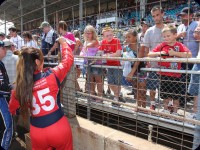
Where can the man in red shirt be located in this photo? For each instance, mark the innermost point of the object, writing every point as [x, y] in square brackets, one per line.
[112, 48]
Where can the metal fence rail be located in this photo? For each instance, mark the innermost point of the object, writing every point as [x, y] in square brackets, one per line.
[168, 129]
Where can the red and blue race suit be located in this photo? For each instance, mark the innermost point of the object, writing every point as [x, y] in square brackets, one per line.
[49, 128]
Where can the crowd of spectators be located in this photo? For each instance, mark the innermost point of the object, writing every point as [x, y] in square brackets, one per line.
[158, 40]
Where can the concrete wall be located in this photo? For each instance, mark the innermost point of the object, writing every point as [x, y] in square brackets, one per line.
[88, 135]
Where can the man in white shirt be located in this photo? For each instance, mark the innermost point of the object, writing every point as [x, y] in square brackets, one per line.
[10, 61]
[16, 39]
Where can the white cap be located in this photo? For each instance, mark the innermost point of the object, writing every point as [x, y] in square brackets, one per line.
[7, 42]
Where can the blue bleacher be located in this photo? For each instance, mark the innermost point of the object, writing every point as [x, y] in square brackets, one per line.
[169, 13]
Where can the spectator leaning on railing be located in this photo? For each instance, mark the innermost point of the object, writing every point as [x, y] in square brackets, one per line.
[170, 89]
[188, 38]
[90, 48]
[186, 32]
[48, 39]
[138, 81]
[193, 88]
[112, 48]
[68, 35]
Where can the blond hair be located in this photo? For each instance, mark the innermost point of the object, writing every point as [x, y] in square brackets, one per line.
[170, 28]
[106, 29]
[90, 28]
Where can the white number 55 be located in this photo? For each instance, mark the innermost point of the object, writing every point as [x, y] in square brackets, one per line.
[43, 100]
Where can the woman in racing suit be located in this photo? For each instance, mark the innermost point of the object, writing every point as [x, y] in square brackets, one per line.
[36, 91]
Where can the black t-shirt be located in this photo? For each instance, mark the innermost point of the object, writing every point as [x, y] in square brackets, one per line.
[5, 86]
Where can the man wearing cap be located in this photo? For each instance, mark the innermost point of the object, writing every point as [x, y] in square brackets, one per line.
[188, 38]
[6, 128]
[144, 26]
[48, 39]
[186, 31]
[10, 61]
[16, 39]
[197, 17]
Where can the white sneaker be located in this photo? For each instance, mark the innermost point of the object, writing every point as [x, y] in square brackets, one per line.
[165, 111]
[191, 116]
[175, 114]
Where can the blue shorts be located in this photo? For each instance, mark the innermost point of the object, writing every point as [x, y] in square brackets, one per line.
[140, 76]
[125, 82]
[152, 81]
[193, 88]
[96, 71]
[114, 76]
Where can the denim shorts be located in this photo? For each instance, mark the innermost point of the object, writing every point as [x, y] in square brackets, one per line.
[114, 76]
[140, 76]
[193, 88]
[96, 71]
[125, 82]
[152, 81]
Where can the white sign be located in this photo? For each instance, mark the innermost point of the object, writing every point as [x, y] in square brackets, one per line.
[110, 19]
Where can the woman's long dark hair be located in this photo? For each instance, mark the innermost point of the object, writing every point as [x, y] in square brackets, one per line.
[26, 67]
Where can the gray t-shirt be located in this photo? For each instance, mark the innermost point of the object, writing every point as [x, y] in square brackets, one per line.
[152, 37]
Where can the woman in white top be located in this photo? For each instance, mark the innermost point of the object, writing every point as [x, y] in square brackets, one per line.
[139, 79]
[28, 40]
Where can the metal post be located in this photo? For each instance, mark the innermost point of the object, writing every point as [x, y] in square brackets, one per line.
[62, 16]
[116, 20]
[99, 8]
[88, 87]
[99, 13]
[196, 140]
[5, 21]
[57, 21]
[73, 16]
[21, 10]
[150, 133]
[44, 9]
[81, 13]
[85, 12]
[54, 21]
[142, 8]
